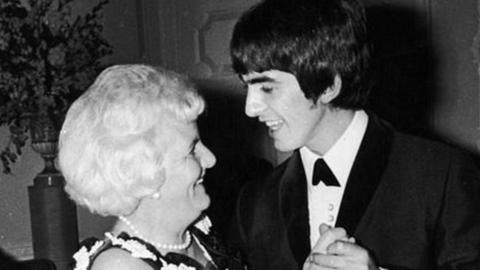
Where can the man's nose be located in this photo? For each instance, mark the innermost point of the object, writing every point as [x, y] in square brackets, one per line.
[254, 104]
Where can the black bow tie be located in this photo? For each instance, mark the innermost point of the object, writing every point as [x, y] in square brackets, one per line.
[321, 172]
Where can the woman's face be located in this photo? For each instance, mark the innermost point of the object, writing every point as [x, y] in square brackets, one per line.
[185, 163]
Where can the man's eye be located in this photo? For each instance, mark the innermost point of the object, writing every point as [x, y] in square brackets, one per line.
[266, 89]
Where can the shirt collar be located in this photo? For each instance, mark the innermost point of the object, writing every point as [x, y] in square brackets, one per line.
[341, 155]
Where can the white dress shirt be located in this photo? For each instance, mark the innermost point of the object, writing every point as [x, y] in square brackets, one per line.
[324, 201]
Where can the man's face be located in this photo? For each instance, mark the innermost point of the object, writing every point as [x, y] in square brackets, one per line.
[275, 97]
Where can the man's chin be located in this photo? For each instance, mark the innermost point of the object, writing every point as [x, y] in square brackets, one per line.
[282, 147]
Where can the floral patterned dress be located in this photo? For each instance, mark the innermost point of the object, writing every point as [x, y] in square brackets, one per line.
[219, 257]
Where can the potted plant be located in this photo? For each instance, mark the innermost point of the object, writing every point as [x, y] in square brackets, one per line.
[50, 53]
[49, 57]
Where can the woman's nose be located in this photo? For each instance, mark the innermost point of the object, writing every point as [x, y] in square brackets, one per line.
[254, 104]
[208, 158]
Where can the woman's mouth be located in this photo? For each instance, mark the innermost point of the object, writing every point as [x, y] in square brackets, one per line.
[199, 181]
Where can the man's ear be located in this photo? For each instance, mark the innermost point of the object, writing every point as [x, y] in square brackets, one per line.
[331, 92]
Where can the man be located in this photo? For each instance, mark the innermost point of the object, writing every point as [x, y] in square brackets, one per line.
[409, 203]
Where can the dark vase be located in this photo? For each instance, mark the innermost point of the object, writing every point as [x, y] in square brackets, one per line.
[53, 214]
[44, 140]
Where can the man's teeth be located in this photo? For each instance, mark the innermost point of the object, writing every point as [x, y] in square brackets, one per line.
[274, 125]
[199, 181]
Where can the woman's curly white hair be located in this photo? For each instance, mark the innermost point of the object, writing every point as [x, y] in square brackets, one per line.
[111, 144]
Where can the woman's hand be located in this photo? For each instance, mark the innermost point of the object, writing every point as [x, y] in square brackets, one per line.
[336, 250]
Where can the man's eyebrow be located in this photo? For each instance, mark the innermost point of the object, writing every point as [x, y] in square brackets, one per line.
[260, 79]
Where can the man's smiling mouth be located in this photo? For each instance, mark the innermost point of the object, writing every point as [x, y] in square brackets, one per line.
[274, 124]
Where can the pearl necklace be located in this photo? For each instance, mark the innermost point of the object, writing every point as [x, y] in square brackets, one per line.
[184, 245]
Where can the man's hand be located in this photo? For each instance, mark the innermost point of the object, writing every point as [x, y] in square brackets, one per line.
[335, 250]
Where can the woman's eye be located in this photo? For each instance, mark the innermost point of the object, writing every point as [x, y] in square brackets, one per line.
[193, 151]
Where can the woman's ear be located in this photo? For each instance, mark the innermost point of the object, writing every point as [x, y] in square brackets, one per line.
[331, 92]
[156, 195]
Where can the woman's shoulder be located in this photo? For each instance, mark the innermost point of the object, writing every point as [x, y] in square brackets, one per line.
[114, 252]
[117, 258]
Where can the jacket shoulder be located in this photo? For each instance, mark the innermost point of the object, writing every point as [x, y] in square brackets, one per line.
[267, 187]
[424, 150]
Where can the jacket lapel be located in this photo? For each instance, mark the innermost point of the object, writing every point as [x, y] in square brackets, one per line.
[366, 173]
[294, 207]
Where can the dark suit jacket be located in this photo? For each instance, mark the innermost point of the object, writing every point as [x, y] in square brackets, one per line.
[415, 204]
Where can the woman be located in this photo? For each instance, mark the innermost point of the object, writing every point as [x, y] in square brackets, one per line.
[130, 148]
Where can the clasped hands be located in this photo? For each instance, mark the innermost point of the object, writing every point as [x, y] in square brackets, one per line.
[336, 250]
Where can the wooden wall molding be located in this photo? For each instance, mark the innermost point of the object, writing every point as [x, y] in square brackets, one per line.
[213, 41]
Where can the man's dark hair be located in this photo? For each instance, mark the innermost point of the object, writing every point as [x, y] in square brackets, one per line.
[312, 39]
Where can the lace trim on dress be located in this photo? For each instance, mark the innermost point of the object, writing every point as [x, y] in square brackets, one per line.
[82, 256]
